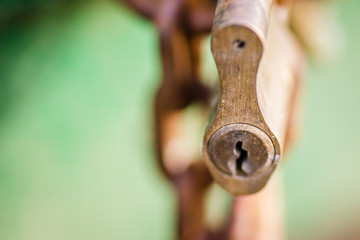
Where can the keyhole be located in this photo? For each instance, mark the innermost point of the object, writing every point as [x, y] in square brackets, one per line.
[243, 162]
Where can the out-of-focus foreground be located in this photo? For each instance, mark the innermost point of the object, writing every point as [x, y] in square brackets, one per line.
[76, 160]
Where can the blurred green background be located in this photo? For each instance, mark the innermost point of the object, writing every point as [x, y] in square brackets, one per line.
[77, 81]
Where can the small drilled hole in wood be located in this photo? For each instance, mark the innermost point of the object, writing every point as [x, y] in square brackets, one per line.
[239, 44]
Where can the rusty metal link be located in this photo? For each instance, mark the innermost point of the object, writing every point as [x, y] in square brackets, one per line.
[181, 24]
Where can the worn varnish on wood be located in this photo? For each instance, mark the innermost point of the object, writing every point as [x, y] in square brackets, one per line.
[255, 58]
